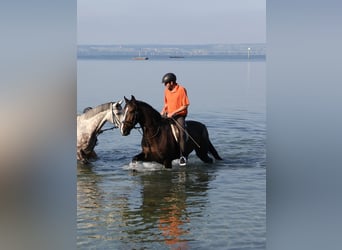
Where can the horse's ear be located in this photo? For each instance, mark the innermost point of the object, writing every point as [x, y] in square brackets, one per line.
[126, 100]
[120, 102]
[133, 98]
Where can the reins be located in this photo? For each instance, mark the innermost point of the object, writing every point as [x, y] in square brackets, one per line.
[152, 135]
[103, 130]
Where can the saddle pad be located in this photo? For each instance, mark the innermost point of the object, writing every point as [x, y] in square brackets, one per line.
[175, 132]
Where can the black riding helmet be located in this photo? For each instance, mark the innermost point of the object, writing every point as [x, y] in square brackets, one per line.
[169, 77]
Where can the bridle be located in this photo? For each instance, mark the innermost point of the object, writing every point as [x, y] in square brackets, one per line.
[133, 122]
[115, 120]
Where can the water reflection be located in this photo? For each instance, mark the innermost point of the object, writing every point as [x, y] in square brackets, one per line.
[155, 210]
[88, 192]
[168, 198]
[164, 204]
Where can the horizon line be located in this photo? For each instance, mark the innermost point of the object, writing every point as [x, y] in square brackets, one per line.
[122, 44]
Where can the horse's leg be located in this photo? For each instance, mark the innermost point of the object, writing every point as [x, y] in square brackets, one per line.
[168, 164]
[202, 153]
[139, 157]
[204, 157]
[203, 140]
[93, 155]
[79, 156]
[82, 157]
[213, 151]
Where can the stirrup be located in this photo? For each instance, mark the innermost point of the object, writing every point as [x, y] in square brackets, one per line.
[182, 161]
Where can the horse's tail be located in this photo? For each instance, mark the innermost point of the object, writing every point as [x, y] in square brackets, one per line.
[213, 151]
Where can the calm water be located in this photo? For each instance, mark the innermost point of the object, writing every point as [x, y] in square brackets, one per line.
[201, 206]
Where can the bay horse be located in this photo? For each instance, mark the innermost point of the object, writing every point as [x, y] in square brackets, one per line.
[158, 142]
[89, 125]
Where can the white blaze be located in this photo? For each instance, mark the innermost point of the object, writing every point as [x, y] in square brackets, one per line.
[123, 120]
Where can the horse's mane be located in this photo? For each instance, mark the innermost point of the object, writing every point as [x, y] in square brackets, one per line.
[155, 113]
[96, 110]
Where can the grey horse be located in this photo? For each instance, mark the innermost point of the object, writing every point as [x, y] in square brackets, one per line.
[89, 125]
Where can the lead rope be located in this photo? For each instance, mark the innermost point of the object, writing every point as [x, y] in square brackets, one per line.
[103, 130]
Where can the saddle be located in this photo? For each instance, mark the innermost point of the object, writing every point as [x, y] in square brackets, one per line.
[175, 132]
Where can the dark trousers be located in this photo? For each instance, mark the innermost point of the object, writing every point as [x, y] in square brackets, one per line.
[181, 122]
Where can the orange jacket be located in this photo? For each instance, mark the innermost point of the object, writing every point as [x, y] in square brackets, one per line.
[175, 99]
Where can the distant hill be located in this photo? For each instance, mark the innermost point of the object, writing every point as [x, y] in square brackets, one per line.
[254, 50]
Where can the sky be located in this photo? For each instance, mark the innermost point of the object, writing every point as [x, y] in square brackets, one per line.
[171, 22]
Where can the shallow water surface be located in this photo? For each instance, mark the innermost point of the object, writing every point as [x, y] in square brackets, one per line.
[121, 205]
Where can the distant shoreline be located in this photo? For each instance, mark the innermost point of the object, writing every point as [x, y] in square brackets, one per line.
[179, 52]
[185, 58]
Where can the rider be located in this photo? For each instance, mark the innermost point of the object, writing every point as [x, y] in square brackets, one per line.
[176, 104]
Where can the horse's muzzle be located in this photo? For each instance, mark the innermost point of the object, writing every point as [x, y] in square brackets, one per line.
[125, 131]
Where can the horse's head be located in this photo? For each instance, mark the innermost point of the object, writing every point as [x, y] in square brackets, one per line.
[129, 119]
[117, 113]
